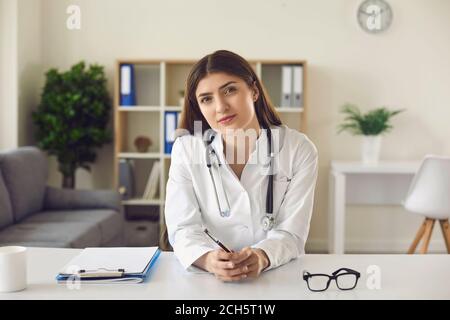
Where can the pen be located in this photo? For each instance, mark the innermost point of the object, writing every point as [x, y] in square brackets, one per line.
[217, 241]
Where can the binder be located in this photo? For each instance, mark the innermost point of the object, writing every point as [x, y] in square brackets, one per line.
[170, 126]
[127, 85]
[297, 86]
[286, 86]
[110, 265]
[126, 179]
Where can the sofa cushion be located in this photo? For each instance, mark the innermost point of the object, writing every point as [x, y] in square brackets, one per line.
[25, 173]
[71, 234]
[6, 214]
[109, 223]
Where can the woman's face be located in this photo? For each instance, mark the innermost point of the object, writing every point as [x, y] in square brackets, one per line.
[227, 102]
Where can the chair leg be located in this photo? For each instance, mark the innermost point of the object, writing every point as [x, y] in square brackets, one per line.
[446, 232]
[427, 235]
[419, 236]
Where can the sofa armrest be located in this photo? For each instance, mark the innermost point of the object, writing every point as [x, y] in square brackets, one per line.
[63, 199]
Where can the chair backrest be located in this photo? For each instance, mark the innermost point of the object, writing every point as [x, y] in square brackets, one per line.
[429, 193]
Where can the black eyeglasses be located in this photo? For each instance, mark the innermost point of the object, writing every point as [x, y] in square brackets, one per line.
[346, 279]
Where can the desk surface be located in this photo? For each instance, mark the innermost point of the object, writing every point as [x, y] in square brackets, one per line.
[406, 167]
[402, 277]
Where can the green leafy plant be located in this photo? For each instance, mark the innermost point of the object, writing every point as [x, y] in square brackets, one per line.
[71, 120]
[372, 123]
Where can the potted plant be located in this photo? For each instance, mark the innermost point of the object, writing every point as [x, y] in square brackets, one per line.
[71, 120]
[370, 125]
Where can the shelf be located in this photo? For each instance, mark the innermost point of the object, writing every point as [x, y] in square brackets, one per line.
[149, 108]
[288, 109]
[140, 108]
[173, 108]
[142, 202]
[138, 155]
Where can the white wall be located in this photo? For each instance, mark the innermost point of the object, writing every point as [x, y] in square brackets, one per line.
[406, 67]
[30, 71]
[21, 75]
[8, 75]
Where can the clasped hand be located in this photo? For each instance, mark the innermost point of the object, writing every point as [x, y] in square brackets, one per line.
[234, 266]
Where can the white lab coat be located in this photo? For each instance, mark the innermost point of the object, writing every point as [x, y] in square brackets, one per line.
[191, 204]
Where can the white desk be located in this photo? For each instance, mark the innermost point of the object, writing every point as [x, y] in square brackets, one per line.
[402, 277]
[386, 183]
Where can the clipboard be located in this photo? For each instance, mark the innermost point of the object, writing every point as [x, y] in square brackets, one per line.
[106, 265]
[101, 273]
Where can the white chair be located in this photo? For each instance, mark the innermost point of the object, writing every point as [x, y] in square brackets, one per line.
[429, 196]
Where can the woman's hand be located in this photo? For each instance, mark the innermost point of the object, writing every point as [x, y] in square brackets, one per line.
[235, 266]
[255, 260]
[220, 263]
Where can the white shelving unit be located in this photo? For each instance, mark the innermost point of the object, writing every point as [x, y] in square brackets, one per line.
[158, 83]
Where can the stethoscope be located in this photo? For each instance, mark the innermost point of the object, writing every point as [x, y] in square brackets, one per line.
[212, 160]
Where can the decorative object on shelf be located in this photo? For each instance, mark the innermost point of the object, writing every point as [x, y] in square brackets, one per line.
[181, 98]
[142, 143]
[370, 125]
[127, 85]
[72, 119]
[374, 16]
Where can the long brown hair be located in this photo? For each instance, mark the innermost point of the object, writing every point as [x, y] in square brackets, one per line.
[233, 64]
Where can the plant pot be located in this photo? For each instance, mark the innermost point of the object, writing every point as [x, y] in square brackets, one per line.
[370, 149]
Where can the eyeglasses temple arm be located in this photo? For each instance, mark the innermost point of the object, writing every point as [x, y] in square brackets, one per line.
[348, 270]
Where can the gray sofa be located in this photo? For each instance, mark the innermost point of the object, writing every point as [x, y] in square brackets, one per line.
[33, 214]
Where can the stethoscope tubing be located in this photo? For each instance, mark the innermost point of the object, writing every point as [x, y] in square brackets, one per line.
[225, 209]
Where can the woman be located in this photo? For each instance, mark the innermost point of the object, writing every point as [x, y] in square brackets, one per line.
[229, 122]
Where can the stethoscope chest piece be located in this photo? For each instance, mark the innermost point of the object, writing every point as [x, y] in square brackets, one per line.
[268, 222]
[224, 213]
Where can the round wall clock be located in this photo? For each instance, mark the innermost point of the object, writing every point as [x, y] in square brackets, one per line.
[374, 16]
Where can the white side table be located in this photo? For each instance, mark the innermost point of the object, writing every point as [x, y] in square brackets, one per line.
[386, 183]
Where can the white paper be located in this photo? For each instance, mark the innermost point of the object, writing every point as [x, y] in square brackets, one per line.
[133, 260]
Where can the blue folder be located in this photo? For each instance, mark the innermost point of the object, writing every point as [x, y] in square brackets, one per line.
[127, 85]
[170, 125]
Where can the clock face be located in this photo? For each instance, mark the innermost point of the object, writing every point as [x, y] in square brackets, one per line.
[374, 16]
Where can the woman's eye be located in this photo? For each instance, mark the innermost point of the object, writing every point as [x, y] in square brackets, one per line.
[230, 90]
[205, 100]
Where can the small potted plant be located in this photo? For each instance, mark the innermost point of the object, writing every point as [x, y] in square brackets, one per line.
[370, 125]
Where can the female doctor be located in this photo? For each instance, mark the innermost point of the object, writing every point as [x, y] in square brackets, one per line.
[237, 172]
